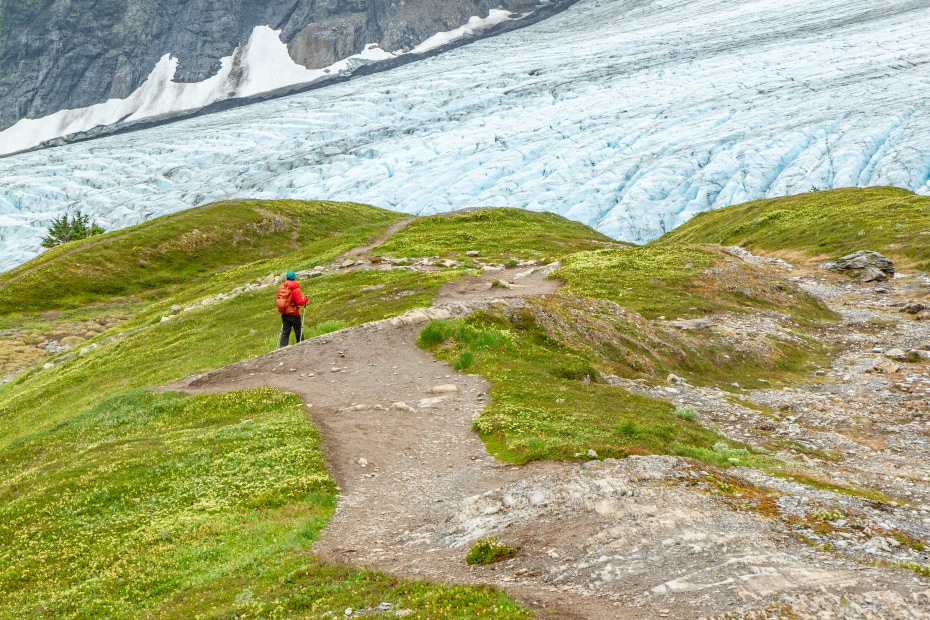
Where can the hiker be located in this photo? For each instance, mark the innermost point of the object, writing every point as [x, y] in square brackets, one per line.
[289, 299]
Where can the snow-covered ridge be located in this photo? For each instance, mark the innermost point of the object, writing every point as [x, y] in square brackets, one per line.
[628, 116]
[262, 65]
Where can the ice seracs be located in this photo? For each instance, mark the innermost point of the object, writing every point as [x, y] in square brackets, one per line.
[630, 117]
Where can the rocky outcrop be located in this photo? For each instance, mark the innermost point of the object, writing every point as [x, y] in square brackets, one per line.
[865, 265]
[67, 54]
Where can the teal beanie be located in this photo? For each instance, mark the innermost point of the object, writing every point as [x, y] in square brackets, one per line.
[291, 275]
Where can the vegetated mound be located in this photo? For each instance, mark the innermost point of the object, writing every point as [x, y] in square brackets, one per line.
[497, 233]
[892, 221]
[677, 280]
[554, 361]
[182, 250]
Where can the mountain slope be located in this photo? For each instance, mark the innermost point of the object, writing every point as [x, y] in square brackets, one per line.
[67, 55]
[628, 117]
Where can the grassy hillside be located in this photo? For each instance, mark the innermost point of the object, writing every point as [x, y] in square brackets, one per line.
[677, 280]
[891, 221]
[494, 233]
[183, 251]
[166, 506]
[549, 358]
[119, 503]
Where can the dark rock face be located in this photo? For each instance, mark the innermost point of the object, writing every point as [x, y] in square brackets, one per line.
[59, 54]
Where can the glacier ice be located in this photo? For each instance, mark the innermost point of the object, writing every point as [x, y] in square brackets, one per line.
[629, 116]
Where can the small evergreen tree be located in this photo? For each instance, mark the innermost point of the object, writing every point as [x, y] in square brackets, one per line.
[64, 230]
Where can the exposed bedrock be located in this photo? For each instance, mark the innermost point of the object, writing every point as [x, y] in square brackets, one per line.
[65, 54]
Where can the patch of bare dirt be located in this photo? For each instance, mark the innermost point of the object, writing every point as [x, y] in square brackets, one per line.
[500, 282]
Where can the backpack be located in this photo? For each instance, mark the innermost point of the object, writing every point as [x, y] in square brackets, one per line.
[283, 299]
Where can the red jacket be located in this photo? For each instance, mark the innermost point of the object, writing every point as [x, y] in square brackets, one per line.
[297, 298]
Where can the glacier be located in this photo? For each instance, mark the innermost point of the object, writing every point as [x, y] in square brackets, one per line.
[628, 115]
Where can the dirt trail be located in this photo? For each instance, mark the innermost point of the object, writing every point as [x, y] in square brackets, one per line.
[363, 251]
[646, 537]
[404, 457]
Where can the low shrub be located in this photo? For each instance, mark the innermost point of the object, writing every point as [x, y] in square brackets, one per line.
[686, 413]
[464, 360]
[488, 550]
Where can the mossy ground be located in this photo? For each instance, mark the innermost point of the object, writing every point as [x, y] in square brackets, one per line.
[892, 221]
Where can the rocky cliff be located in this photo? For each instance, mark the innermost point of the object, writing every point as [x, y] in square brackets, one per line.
[61, 54]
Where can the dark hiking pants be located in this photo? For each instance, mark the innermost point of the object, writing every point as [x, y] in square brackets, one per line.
[289, 322]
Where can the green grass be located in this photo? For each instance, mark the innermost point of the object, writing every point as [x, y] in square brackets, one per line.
[168, 506]
[547, 401]
[495, 234]
[231, 490]
[155, 353]
[892, 221]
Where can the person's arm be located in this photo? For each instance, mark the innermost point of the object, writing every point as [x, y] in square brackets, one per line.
[299, 298]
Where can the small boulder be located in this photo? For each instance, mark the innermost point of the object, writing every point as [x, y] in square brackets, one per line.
[914, 308]
[691, 324]
[871, 274]
[865, 265]
[426, 403]
[444, 389]
[896, 354]
[886, 367]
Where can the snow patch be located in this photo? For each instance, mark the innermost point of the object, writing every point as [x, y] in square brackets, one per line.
[475, 25]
